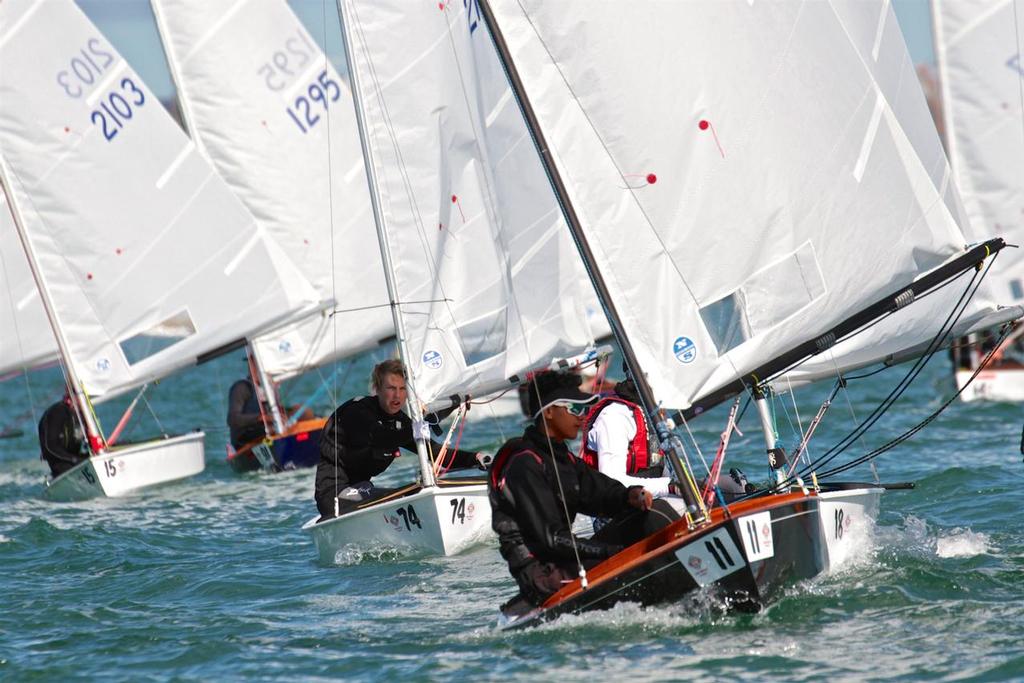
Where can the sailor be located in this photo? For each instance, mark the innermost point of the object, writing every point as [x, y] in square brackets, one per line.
[364, 436]
[617, 442]
[245, 420]
[537, 487]
[60, 437]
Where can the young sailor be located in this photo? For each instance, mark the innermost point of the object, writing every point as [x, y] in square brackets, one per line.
[244, 417]
[363, 437]
[616, 442]
[537, 487]
[60, 437]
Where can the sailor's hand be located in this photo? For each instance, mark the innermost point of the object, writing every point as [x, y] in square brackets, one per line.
[640, 498]
[484, 460]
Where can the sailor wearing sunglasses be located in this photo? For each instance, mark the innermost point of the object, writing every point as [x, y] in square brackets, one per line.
[537, 487]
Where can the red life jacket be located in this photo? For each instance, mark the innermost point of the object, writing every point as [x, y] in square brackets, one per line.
[638, 456]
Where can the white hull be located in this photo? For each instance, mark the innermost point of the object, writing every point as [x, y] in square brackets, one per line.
[996, 384]
[120, 471]
[438, 521]
[847, 523]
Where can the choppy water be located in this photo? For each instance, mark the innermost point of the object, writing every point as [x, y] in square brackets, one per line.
[212, 579]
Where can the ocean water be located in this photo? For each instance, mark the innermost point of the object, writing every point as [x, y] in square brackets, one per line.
[212, 579]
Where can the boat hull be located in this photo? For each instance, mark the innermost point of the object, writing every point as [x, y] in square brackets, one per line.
[297, 448]
[441, 520]
[126, 469]
[741, 559]
[992, 384]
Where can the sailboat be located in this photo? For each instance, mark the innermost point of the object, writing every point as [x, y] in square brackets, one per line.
[718, 164]
[283, 135]
[481, 276]
[981, 76]
[143, 260]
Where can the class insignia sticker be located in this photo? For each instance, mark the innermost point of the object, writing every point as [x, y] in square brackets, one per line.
[684, 349]
[284, 346]
[432, 359]
[103, 364]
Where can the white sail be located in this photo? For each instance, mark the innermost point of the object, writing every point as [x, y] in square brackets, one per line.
[26, 338]
[148, 257]
[981, 71]
[489, 283]
[788, 182]
[266, 107]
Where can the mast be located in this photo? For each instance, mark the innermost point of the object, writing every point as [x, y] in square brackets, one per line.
[267, 387]
[671, 446]
[92, 431]
[412, 401]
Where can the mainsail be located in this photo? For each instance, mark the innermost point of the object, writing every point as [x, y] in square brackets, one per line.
[149, 259]
[978, 47]
[764, 198]
[268, 109]
[26, 339]
[488, 282]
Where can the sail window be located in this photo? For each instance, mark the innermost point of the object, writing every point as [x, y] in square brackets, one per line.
[1016, 289]
[726, 323]
[782, 289]
[767, 298]
[148, 343]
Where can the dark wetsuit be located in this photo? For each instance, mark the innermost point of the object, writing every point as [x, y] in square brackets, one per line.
[528, 512]
[61, 445]
[244, 418]
[359, 442]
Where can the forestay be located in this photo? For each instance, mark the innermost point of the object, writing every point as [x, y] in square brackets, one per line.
[148, 257]
[465, 202]
[26, 338]
[271, 113]
[978, 47]
[780, 182]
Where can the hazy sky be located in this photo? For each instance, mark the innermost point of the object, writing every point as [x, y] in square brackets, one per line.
[128, 24]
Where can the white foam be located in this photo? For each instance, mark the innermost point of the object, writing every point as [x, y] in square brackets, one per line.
[963, 543]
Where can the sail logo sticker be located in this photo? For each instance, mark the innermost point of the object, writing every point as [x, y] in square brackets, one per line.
[284, 346]
[103, 364]
[433, 360]
[684, 349]
[756, 531]
[710, 558]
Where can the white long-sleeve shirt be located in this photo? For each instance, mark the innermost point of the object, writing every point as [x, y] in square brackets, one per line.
[610, 436]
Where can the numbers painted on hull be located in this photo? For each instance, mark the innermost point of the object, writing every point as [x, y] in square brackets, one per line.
[458, 510]
[839, 524]
[756, 531]
[110, 468]
[409, 516]
[87, 475]
[710, 558]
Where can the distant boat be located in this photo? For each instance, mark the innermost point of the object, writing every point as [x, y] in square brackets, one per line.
[281, 131]
[483, 281]
[143, 260]
[981, 76]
